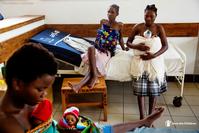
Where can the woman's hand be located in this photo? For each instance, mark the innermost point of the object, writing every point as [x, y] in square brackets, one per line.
[142, 47]
[104, 50]
[147, 56]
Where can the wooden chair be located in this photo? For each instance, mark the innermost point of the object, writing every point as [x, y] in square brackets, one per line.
[100, 87]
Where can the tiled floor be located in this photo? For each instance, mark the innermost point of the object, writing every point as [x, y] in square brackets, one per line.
[122, 106]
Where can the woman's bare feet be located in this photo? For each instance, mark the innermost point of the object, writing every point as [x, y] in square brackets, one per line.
[92, 82]
[75, 87]
[154, 116]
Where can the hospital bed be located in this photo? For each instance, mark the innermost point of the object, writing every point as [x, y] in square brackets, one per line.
[175, 62]
[70, 59]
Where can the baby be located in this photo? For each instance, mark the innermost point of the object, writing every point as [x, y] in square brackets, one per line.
[41, 113]
[147, 34]
[69, 118]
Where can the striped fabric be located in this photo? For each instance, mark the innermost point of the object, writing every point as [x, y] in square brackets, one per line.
[144, 87]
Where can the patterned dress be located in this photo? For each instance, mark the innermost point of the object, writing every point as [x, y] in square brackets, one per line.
[107, 38]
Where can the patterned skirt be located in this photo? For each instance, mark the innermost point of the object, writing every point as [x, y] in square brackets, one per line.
[101, 60]
[144, 87]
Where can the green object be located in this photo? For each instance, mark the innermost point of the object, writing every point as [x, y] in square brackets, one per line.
[52, 128]
[90, 127]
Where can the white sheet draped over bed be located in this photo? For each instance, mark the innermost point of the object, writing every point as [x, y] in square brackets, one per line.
[118, 68]
[77, 43]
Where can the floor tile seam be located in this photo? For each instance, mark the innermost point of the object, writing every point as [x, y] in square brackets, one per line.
[168, 110]
[191, 109]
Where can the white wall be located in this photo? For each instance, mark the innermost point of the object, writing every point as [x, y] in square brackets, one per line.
[91, 11]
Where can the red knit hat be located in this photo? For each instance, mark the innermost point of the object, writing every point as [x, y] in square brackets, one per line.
[72, 110]
[43, 110]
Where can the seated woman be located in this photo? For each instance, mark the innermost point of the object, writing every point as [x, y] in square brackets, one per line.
[98, 56]
[30, 71]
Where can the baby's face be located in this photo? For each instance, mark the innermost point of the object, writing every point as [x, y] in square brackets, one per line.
[71, 119]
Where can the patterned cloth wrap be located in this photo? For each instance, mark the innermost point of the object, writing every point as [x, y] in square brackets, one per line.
[107, 39]
[84, 125]
[46, 127]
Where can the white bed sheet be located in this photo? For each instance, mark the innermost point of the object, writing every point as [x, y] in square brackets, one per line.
[118, 67]
[174, 62]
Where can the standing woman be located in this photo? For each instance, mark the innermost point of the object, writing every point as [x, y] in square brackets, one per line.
[143, 85]
[98, 56]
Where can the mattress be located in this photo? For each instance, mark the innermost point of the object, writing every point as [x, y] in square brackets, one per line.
[53, 41]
